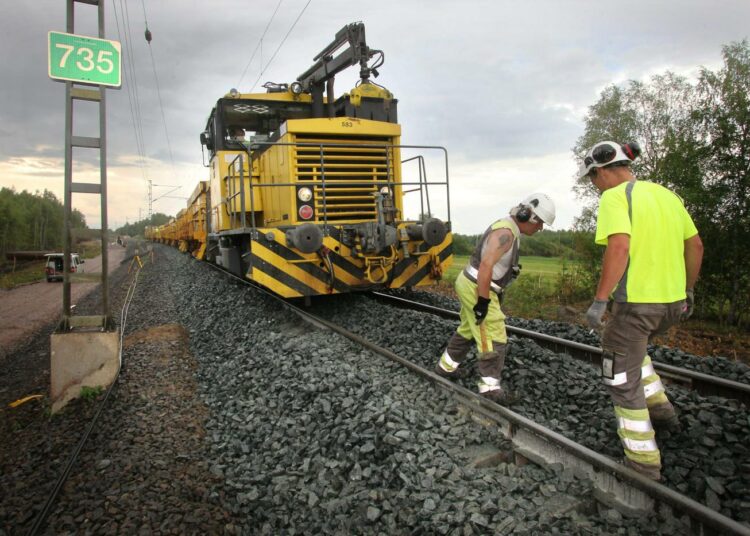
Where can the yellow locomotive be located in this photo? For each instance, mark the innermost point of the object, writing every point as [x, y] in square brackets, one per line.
[306, 193]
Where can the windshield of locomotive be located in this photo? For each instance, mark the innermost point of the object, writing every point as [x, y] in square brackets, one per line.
[248, 121]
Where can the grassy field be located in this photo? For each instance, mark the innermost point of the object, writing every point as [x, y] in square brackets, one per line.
[535, 294]
[30, 273]
[540, 268]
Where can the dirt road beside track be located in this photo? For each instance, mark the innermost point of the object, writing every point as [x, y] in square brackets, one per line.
[25, 310]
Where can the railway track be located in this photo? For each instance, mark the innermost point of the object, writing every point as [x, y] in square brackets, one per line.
[616, 485]
[704, 384]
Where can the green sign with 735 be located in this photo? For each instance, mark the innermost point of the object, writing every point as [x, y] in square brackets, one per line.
[85, 60]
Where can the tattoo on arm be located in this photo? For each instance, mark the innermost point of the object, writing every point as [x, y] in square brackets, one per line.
[504, 241]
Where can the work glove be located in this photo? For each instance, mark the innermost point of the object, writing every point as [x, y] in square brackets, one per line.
[480, 309]
[687, 309]
[595, 313]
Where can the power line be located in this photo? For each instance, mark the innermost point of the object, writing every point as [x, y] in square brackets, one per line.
[161, 106]
[280, 44]
[158, 89]
[259, 45]
[136, 130]
[131, 56]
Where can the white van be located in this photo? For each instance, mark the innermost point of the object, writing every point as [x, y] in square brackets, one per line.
[54, 267]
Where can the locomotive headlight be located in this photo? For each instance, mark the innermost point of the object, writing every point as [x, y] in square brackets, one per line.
[304, 194]
[385, 190]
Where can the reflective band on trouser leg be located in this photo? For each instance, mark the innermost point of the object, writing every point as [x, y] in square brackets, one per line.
[448, 364]
[637, 436]
[634, 426]
[653, 389]
[619, 379]
[487, 383]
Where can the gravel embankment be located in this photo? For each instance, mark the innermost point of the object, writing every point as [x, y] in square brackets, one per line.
[35, 447]
[717, 366]
[308, 433]
[709, 460]
[234, 416]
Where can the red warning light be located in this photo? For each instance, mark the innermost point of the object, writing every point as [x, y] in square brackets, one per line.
[305, 212]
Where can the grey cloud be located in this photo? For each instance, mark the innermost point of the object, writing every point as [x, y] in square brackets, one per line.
[487, 79]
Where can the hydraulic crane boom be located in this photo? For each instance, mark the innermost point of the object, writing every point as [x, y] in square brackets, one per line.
[326, 66]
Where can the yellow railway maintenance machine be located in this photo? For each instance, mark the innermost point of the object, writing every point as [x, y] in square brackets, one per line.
[306, 192]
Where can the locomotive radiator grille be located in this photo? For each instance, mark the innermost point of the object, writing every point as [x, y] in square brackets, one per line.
[352, 174]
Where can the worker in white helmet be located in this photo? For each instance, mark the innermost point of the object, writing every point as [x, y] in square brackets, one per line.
[480, 286]
[651, 262]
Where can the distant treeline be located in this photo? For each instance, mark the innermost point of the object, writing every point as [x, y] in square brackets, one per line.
[138, 228]
[543, 244]
[33, 221]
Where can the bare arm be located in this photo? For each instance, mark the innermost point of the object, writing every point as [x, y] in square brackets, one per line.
[693, 260]
[498, 244]
[615, 261]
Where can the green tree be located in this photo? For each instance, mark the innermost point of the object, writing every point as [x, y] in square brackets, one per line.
[650, 113]
[33, 221]
[138, 228]
[695, 141]
[721, 148]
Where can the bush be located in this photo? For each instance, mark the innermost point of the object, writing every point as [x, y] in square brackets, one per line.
[576, 282]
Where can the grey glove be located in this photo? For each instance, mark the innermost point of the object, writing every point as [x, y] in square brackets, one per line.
[595, 313]
[687, 309]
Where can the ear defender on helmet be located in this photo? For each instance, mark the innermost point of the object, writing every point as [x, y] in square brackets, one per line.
[537, 207]
[523, 214]
[631, 149]
[607, 153]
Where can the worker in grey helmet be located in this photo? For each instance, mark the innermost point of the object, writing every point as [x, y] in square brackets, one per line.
[480, 286]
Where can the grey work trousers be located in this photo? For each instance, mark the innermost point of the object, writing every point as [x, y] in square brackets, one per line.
[489, 363]
[625, 339]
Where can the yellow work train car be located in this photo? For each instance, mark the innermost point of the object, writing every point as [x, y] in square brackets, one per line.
[307, 193]
[197, 214]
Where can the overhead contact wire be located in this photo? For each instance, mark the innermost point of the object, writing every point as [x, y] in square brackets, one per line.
[263, 69]
[158, 93]
[131, 62]
[259, 45]
[138, 141]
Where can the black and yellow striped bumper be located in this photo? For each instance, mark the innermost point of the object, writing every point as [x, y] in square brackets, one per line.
[290, 273]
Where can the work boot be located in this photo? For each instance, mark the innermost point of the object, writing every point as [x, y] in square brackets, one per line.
[649, 471]
[499, 396]
[457, 374]
[670, 424]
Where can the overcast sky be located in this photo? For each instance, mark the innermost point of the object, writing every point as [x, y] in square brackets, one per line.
[503, 85]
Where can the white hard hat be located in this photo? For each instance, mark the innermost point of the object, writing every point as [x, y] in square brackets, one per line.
[606, 153]
[541, 206]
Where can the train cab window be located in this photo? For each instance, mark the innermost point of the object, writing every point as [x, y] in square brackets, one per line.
[235, 138]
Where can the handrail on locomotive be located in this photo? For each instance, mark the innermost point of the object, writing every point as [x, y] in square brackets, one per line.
[251, 150]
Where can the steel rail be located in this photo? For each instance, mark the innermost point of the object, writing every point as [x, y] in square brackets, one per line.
[704, 384]
[600, 466]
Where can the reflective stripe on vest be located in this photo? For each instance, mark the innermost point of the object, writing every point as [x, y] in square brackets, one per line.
[473, 275]
[621, 292]
[476, 256]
